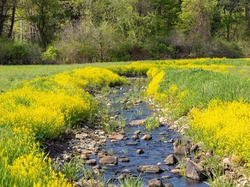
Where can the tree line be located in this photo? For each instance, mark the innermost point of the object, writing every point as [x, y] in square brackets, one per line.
[78, 31]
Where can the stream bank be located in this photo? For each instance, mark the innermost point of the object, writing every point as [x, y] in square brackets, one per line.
[133, 151]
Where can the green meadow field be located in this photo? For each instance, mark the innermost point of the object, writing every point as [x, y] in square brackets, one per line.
[211, 96]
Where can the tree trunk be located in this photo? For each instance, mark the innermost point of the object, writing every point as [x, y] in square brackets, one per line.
[247, 14]
[12, 20]
[228, 32]
[2, 16]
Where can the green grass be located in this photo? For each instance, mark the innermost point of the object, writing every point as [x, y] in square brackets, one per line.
[234, 62]
[12, 76]
[202, 86]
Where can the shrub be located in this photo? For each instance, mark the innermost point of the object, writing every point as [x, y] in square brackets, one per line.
[221, 48]
[18, 53]
[50, 55]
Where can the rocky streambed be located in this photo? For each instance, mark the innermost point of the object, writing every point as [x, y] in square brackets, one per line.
[158, 157]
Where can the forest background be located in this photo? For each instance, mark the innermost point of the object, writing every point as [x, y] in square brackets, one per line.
[81, 31]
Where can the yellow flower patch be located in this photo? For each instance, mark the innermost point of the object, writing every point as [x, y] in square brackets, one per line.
[224, 127]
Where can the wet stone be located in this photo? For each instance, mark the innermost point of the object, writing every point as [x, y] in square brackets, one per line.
[91, 162]
[149, 169]
[116, 137]
[155, 183]
[171, 140]
[124, 159]
[194, 148]
[87, 152]
[193, 171]
[169, 185]
[162, 133]
[177, 171]
[121, 176]
[108, 160]
[139, 151]
[180, 150]
[166, 177]
[81, 136]
[84, 156]
[103, 153]
[126, 171]
[146, 137]
[137, 122]
[67, 156]
[132, 144]
[137, 132]
[171, 160]
[135, 137]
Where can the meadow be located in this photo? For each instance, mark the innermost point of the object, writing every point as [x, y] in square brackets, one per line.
[40, 102]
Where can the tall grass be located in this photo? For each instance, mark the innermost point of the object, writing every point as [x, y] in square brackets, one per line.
[185, 89]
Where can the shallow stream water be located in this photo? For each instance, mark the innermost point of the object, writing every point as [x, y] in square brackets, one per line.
[155, 150]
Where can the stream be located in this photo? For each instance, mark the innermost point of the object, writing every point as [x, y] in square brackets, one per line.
[121, 105]
[155, 150]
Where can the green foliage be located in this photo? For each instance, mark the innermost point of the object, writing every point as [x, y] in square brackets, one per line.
[200, 87]
[151, 123]
[51, 54]
[46, 16]
[72, 169]
[122, 30]
[131, 182]
[17, 52]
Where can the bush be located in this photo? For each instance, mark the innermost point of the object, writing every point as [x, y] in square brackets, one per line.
[50, 55]
[18, 53]
[220, 48]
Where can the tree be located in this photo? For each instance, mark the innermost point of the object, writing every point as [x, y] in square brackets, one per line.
[46, 16]
[232, 16]
[196, 22]
[7, 16]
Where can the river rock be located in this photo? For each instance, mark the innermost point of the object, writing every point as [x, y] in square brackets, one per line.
[139, 151]
[177, 171]
[155, 183]
[137, 132]
[84, 156]
[171, 160]
[103, 153]
[149, 169]
[146, 137]
[138, 122]
[116, 136]
[135, 137]
[162, 133]
[227, 164]
[126, 171]
[67, 156]
[81, 136]
[180, 150]
[163, 120]
[121, 176]
[91, 162]
[194, 171]
[87, 152]
[171, 140]
[166, 177]
[132, 144]
[169, 185]
[124, 159]
[138, 101]
[195, 147]
[108, 160]
[96, 169]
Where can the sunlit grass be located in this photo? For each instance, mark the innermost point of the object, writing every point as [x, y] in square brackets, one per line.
[12, 76]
